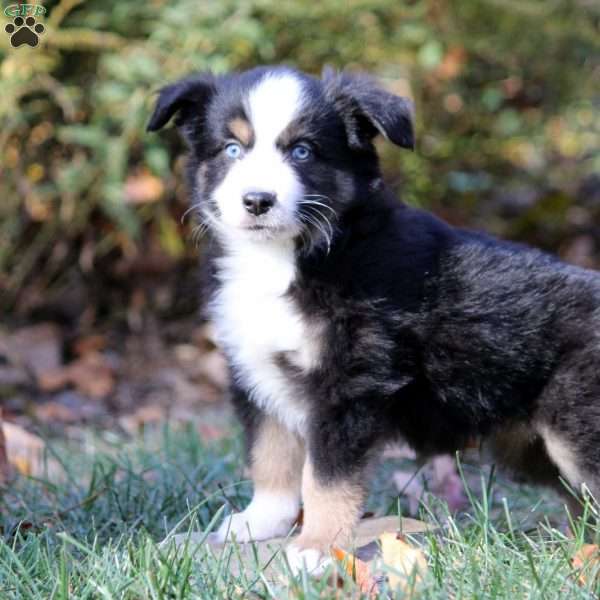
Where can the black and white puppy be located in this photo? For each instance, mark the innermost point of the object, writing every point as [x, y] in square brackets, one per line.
[349, 319]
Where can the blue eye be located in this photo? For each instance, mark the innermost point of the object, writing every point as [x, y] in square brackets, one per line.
[233, 150]
[301, 152]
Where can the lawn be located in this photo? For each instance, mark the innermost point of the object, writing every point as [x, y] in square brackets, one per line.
[92, 527]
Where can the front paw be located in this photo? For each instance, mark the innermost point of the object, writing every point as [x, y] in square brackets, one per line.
[267, 516]
[235, 526]
[312, 559]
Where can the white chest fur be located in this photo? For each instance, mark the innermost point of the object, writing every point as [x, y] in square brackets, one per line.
[255, 320]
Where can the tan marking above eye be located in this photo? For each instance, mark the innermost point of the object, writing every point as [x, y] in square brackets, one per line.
[241, 129]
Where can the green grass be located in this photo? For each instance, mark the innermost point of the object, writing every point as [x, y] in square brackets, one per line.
[92, 529]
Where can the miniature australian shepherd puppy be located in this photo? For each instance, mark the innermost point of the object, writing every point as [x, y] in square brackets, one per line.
[350, 319]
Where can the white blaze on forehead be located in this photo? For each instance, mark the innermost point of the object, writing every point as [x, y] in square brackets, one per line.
[273, 104]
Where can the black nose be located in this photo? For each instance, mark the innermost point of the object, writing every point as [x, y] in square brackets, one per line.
[258, 203]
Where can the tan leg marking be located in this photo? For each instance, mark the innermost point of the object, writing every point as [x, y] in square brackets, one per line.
[331, 511]
[242, 130]
[563, 456]
[276, 458]
[276, 469]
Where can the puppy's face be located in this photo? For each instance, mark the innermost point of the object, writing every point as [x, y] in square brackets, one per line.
[279, 154]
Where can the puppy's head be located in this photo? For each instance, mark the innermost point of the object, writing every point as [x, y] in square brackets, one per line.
[279, 154]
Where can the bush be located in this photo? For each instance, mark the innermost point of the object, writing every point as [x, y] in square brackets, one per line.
[506, 95]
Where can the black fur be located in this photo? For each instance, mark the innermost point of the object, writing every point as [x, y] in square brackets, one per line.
[432, 333]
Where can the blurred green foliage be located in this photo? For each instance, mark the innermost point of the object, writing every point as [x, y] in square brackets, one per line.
[507, 95]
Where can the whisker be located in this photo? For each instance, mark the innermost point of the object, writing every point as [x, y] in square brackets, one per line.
[198, 232]
[307, 239]
[324, 217]
[211, 220]
[325, 222]
[314, 221]
[307, 201]
[206, 221]
[188, 211]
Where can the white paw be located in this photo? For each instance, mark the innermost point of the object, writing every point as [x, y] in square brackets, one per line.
[311, 560]
[267, 516]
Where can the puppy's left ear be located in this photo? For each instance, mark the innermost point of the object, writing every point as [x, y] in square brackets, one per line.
[368, 110]
[188, 100]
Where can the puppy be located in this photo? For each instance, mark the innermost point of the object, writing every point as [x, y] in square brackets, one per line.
[349, 319]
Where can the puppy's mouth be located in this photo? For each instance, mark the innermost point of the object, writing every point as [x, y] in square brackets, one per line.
[269, 231]
[270, 226]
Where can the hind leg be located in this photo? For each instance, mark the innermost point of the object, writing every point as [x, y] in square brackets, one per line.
[568, 420]
[522, 452]
[573, 458]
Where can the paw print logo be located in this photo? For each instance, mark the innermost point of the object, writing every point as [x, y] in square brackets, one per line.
[24, 31]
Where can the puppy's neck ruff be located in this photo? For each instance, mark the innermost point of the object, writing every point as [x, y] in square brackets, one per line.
[257, 320]
[266, 267]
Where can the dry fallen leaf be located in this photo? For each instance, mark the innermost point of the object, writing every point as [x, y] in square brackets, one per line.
[406, 560]
[367, 549]
[25, 450]
[91, 375]
[359, 570]
[587, 562]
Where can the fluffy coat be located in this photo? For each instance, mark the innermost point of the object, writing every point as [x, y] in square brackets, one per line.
[350, 319]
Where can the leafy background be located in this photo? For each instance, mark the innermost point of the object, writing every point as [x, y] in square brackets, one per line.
[507, 96]
[100, 340]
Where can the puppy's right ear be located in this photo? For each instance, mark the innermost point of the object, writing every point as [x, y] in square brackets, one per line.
[187, 99]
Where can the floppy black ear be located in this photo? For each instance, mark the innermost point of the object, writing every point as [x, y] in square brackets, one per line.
[368, 110]
[186, 98]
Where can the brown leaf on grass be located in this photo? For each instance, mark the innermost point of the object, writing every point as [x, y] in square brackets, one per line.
[368, 551]
[587, 563]
[406, 560]
[24, 450]
[359, 570]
